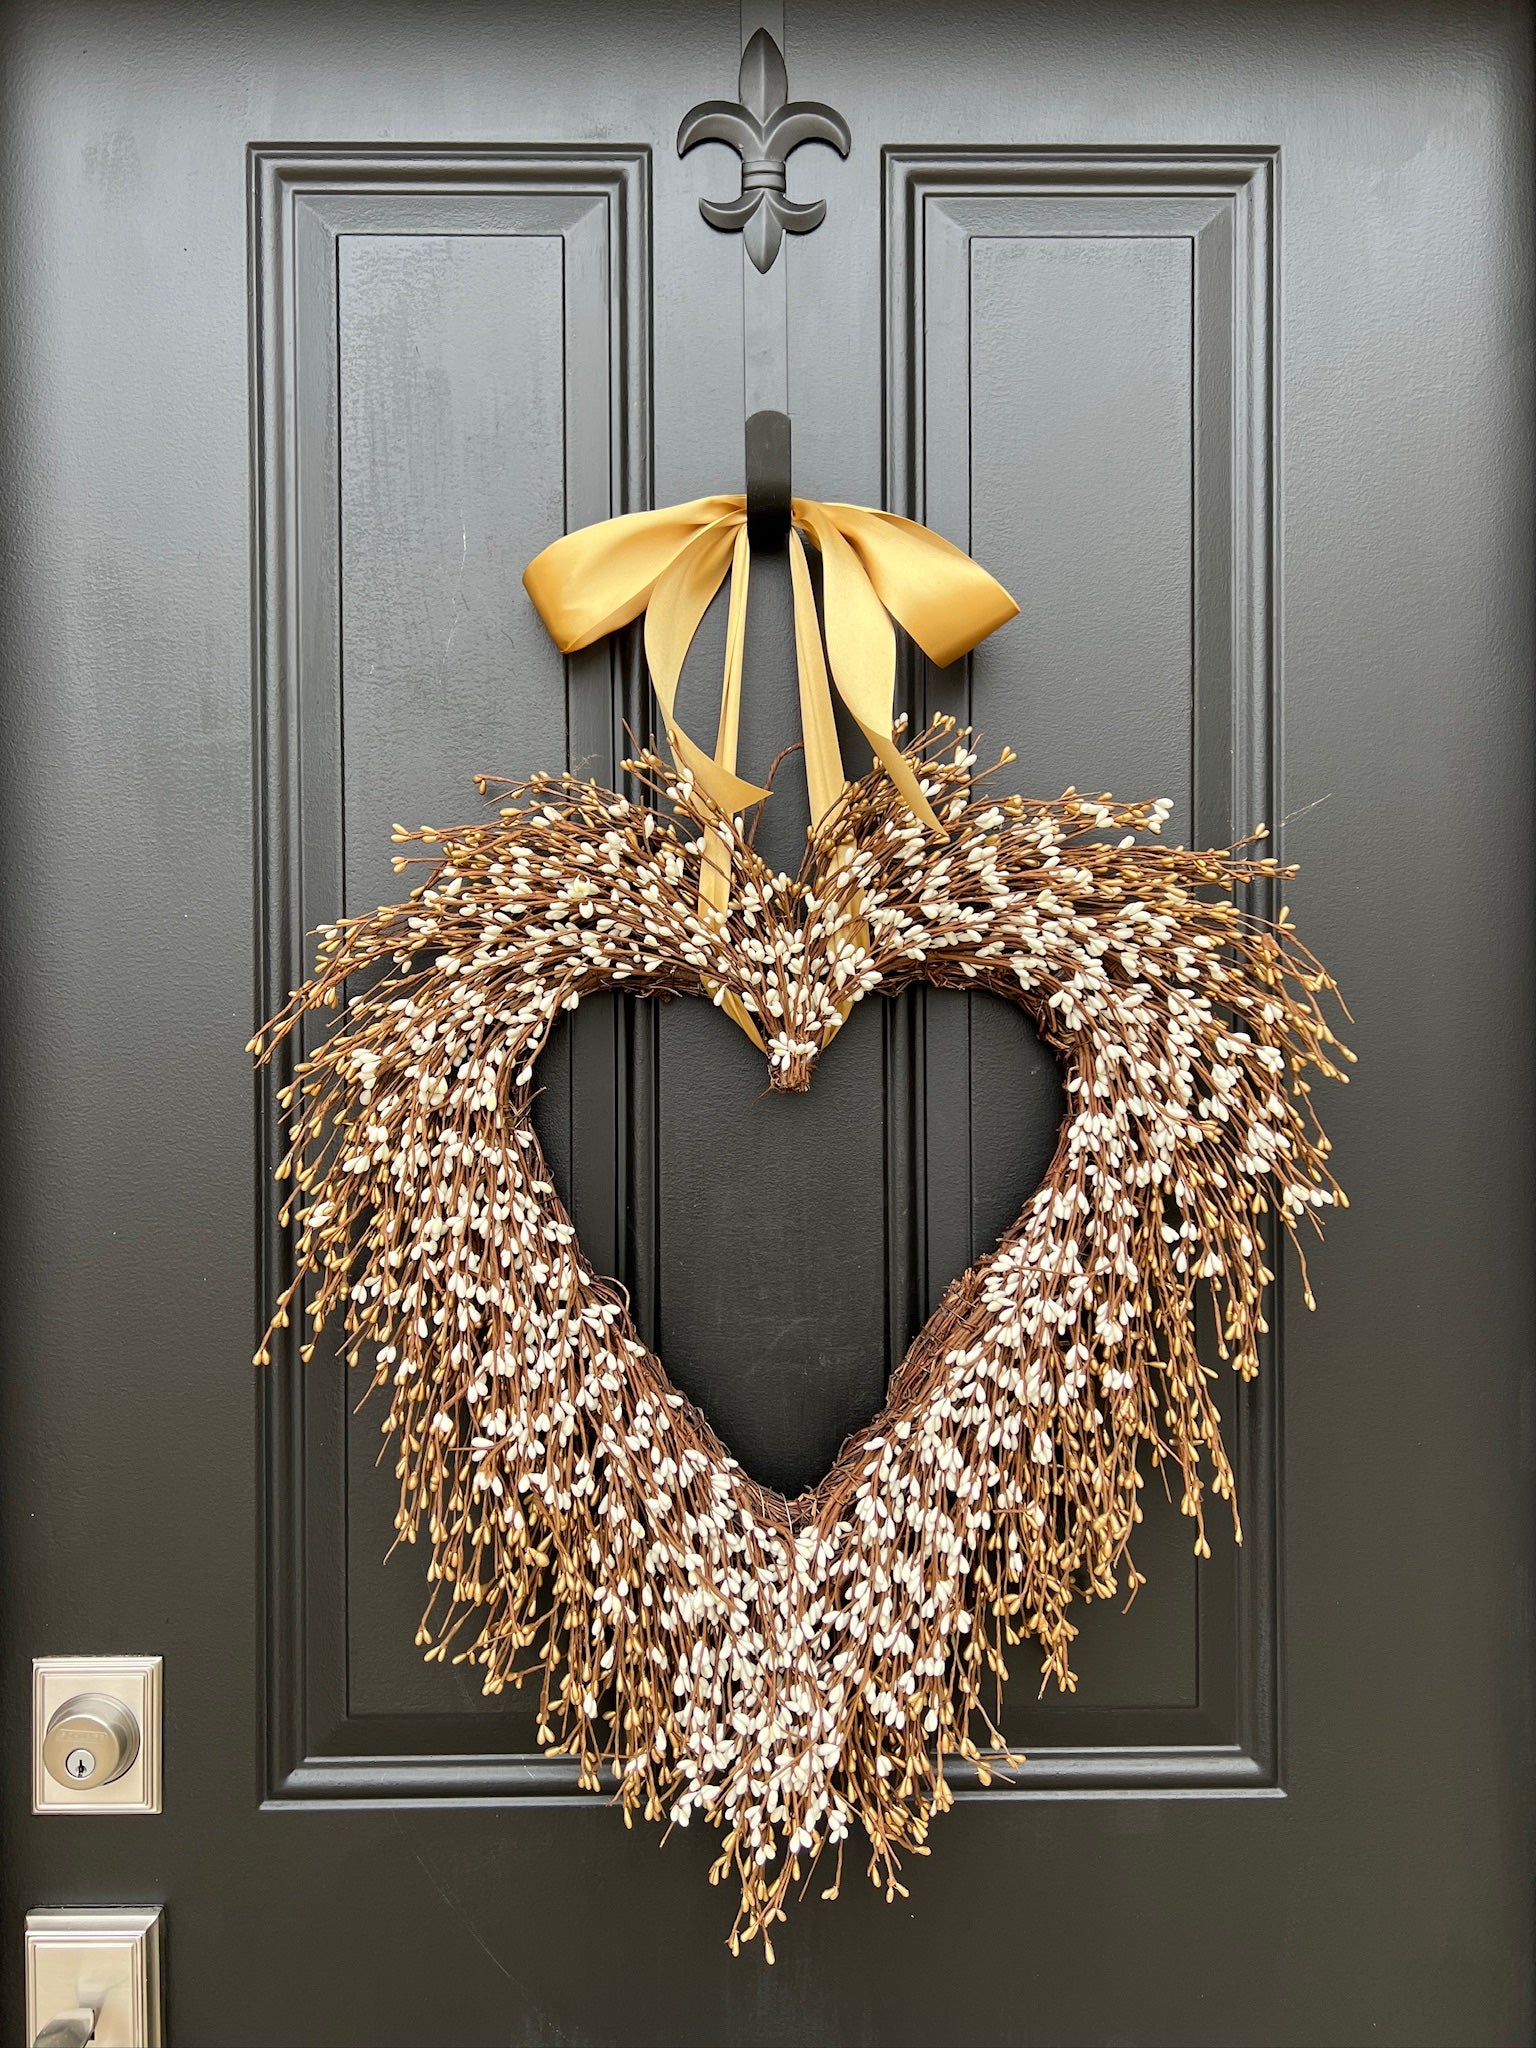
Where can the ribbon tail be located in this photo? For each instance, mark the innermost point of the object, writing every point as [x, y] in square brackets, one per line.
[899, 768]
[735, 649]
[679, 601]
[715, 853]
[715, 868]
[714, 904]
[861, 642]
[825, 779]
[734, 1008]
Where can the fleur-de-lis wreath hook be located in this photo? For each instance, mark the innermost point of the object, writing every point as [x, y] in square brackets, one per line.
[763, 127]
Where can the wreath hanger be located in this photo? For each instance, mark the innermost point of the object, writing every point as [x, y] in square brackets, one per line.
[764, 126]
[769, 494]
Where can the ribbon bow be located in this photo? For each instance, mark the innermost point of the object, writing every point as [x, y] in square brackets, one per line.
[876, 567]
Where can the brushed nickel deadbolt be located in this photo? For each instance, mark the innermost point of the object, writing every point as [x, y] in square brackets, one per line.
[91, 1740]
[96, 1735]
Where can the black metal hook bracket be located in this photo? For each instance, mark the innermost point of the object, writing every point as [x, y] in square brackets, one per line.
[768, 479]
[764, 126]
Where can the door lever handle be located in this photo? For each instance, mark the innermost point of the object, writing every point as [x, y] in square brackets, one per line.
[93, 1976]
[72, 2029]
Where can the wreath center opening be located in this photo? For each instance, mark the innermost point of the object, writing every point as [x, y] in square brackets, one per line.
[789, 1249]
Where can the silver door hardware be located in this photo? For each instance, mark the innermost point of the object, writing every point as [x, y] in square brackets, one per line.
[70, 2030]
[93, 1975]
[96, 1735]
[75, 2029]
[91, 1740]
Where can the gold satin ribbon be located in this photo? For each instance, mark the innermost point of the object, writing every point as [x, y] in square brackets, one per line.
[876, 568]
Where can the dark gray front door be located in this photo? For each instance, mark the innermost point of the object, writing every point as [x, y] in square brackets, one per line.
[1205, 329]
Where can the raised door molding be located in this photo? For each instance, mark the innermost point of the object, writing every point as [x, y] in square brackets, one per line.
[1177, 248]
[321, 222]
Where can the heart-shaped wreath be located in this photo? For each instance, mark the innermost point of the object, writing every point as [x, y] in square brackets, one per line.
[786, 1669]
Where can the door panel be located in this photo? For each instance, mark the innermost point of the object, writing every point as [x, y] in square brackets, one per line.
[443, 348]
[1204, 329]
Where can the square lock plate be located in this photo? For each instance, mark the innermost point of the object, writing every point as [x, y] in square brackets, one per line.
[135, 1681]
